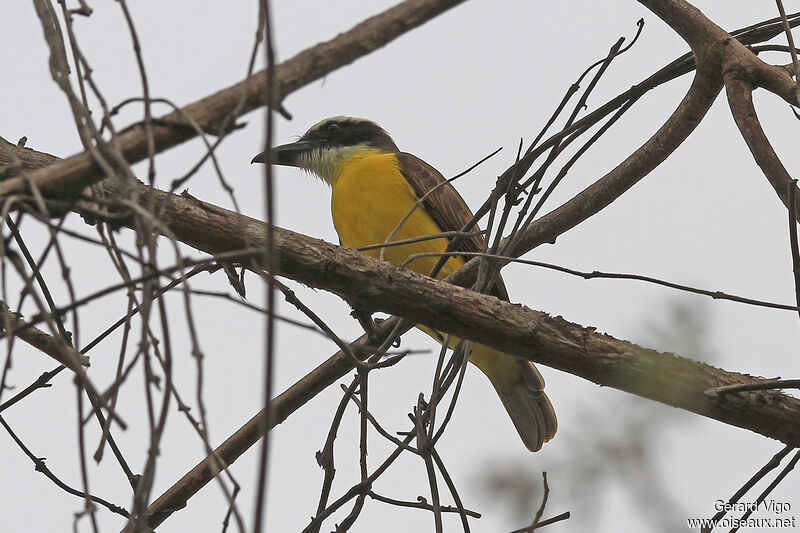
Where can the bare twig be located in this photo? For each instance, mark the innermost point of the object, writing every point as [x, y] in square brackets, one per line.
[420, 505]
[770, 384]
[775, 482]
[79, 171]
[597, 274]
[42, 467]
[792, 49]
[268, 261]
[758, 476]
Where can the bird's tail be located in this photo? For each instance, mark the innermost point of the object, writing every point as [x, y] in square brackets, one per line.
[521, 389]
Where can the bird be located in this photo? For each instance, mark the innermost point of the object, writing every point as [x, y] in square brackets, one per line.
[374, 187]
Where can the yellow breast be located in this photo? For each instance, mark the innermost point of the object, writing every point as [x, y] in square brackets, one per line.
[370, 198]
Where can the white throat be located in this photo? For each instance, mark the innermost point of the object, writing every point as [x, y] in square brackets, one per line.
[327, 162]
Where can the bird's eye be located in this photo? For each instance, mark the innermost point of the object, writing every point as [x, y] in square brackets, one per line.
[333, 127]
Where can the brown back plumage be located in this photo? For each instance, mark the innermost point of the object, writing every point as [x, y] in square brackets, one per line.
[445, 205]
[521, 389]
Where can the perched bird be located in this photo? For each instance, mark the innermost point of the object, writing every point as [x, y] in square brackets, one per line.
[374, 186]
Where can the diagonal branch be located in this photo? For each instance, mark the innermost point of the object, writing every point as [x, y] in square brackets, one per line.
[669, 379]
[605, 190]
[582, 351]
[602, 359]
[72, 175]
[46, 343]
[715, 51]
[378, 286]
[740, 99]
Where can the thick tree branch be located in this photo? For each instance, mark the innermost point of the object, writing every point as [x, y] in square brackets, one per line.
[280, 408]
[552, 341]
[604, 191]
[370, 284]
[378, 286]
[46, 343]
[72, 175]
[715, 52]
[740, 99]
[701, 34]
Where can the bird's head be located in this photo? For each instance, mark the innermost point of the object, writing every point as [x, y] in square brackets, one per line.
[328, 144]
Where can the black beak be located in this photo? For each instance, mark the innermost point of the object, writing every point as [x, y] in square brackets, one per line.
[287, 154]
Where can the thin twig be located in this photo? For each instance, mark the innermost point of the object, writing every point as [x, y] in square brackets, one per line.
[42, 467]
[750, 483]
[420, 505]
[596, 274]
[769, 384]
[792, 48]
[793, 238]
[775, 482]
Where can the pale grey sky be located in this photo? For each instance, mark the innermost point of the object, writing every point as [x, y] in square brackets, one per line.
[477, 78]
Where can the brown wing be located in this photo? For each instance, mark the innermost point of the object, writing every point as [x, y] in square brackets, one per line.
[444, 204]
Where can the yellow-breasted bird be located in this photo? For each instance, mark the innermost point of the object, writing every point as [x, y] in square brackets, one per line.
[374, 186]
